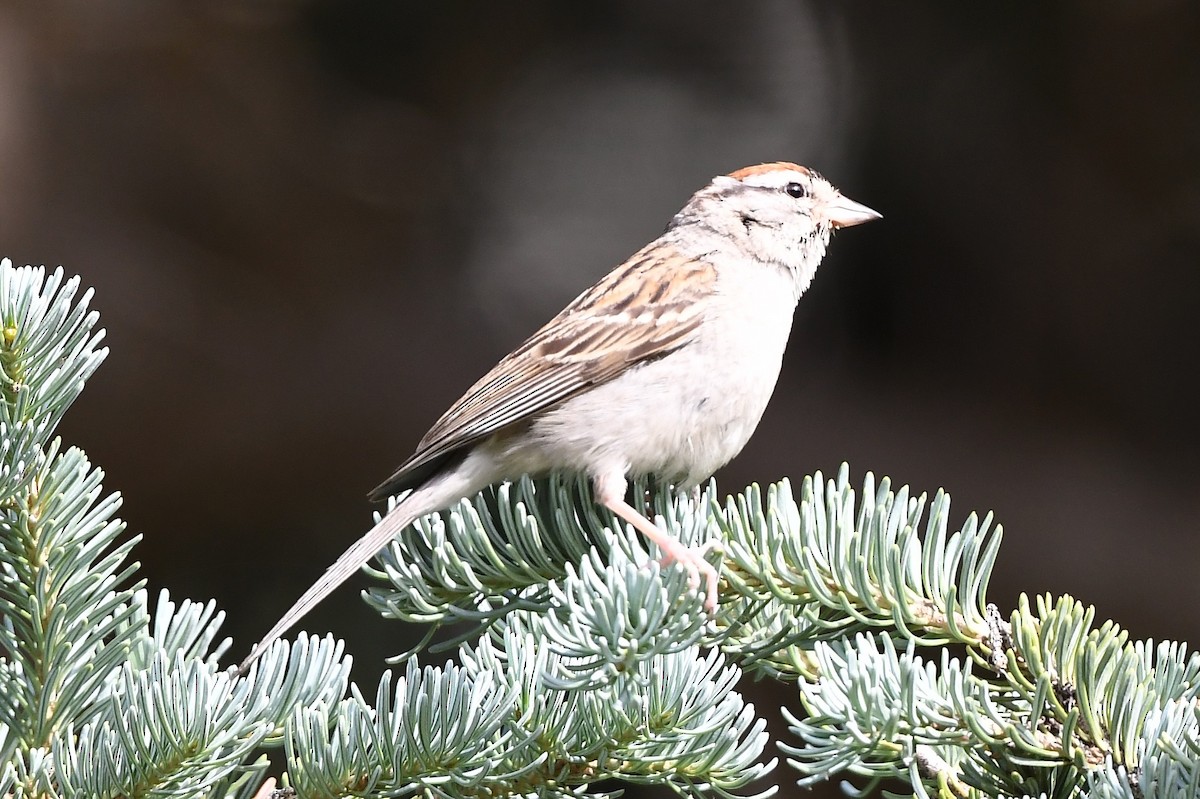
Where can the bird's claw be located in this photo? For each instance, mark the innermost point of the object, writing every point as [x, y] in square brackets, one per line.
[692, 559]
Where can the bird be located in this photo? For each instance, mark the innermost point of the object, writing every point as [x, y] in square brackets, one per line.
[664, 367]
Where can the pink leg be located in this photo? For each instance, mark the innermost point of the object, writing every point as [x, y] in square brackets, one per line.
[610, 492]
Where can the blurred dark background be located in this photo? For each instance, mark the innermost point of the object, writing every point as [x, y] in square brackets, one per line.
[311, 225]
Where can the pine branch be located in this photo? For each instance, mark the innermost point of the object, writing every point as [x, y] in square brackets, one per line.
[820, 590]
[793, 573]
[99, 697]
[585, 660]
[494, 727]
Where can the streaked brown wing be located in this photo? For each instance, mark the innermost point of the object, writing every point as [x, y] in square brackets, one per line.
[640, 311]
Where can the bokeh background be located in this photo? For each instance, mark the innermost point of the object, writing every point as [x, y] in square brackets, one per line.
[311, 225]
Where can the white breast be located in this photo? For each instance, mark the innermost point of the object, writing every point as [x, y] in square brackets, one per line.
[685, 415]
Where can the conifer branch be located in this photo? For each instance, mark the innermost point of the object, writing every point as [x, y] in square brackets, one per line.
[587, 660]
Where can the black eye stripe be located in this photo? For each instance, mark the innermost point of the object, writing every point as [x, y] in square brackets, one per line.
[796, 190]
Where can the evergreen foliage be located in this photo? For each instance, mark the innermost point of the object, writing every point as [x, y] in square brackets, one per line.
[586, 665]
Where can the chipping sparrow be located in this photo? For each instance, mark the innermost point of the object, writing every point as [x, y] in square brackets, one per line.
[664, 367]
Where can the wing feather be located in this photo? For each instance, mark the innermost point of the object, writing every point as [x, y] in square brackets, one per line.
[642, 310]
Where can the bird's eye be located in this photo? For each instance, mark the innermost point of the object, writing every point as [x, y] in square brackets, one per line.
[796, 190]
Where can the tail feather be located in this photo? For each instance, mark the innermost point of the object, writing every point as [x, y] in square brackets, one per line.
[472, 473]
[346, 565]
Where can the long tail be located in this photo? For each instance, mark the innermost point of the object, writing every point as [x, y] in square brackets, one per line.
[347, 564]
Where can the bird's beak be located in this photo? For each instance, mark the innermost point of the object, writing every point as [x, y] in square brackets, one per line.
[844, 212]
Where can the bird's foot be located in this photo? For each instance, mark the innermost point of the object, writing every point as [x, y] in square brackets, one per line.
[610, 492]
[692, 559]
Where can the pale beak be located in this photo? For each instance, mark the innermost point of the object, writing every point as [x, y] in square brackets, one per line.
[844, 212]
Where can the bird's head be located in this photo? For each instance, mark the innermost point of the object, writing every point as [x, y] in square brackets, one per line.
[780, 213]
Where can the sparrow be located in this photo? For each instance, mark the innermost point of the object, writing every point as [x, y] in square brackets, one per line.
[664, 367]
